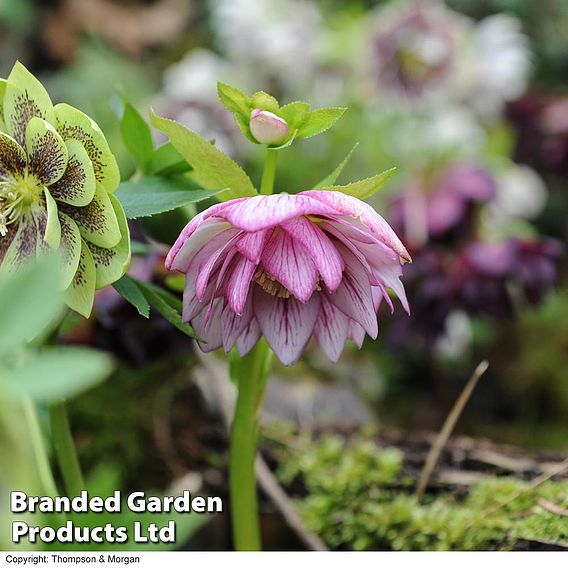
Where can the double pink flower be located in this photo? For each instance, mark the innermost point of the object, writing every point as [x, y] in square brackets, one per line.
[288, 267]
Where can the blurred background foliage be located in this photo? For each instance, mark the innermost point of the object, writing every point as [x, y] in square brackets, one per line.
[467, 98]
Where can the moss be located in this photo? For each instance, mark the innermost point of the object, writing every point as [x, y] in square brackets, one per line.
[359, 498]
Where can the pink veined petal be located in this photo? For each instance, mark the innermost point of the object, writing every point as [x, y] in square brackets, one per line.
[249, 337]
[357, 209]
[354, 297]
[234, 325]
[288, 262]
[287, 323]
[380, 261]
[321, 250]
[331, 329]
[387, 271]
[207, 326]
[238, 286]
[266, 211]
[356, 333]
[185, 249]
[335, 230]
[214, 260]
[251, 245]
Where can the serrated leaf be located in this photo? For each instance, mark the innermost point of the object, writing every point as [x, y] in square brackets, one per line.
[30, 299]
[167, 161]
[319, 121]
[167, 305]
[211, 168]
[136, 135]
[130, 291]
[332, 177]
[239, 105]
[363, 188]
[149, 196]
[58, 373]
[233, 99]
[294, 113]
[264, 101]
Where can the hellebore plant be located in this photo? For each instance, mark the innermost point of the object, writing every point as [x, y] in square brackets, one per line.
[57, 177]
[266, 273]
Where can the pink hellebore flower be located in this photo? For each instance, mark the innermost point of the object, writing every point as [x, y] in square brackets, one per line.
[288, 267]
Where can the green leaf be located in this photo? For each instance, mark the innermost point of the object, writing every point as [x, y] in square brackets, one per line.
[212, 168]
[264, 101]
[167, 161]
[167, 305]
[130, 291]
[237, 103]
[30, 299]
[332, 177]
[136, 135]
[59, 372]
[319, 121]
[149, 196]
[294, 113]
[233, 99]
[363, 188]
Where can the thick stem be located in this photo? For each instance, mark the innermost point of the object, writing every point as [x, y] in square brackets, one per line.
[65, 450]
[250, 373]
[269, 172]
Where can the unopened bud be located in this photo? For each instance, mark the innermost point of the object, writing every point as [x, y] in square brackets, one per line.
[268, 128]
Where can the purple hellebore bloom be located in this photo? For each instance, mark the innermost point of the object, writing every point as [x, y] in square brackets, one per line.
[288, 267]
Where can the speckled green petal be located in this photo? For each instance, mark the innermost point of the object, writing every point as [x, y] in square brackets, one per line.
[77, 186]
[12, 157]
[80, 294]
[73, 124]
[112, 263]
[97, 221]
[52, 235]
[70, 248]
[24, 245]
[47, 153]
[25, 97]
[3, 84]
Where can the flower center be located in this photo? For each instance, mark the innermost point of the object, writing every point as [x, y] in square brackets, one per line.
[16, 195]
[269, 284]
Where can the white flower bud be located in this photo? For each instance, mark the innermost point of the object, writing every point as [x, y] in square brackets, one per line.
[268, 128]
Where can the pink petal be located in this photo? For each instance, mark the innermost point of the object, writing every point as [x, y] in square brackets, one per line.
[287, 323]
[183, 251]
[266, 211]
[219, 246]
[249, 337]
[356, 333]
[288, 262]
[239, 284]
[234, 325]
[331, 329]
[353, 207]
[321, 250]
[252, 244]
[354, 297]
[208, 326]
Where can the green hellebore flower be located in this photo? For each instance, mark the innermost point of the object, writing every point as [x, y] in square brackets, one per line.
[57, 177]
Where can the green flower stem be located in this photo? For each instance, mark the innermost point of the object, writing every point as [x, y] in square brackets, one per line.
[269, 172]
[250, 373]
[65, 450]
[38, 447]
